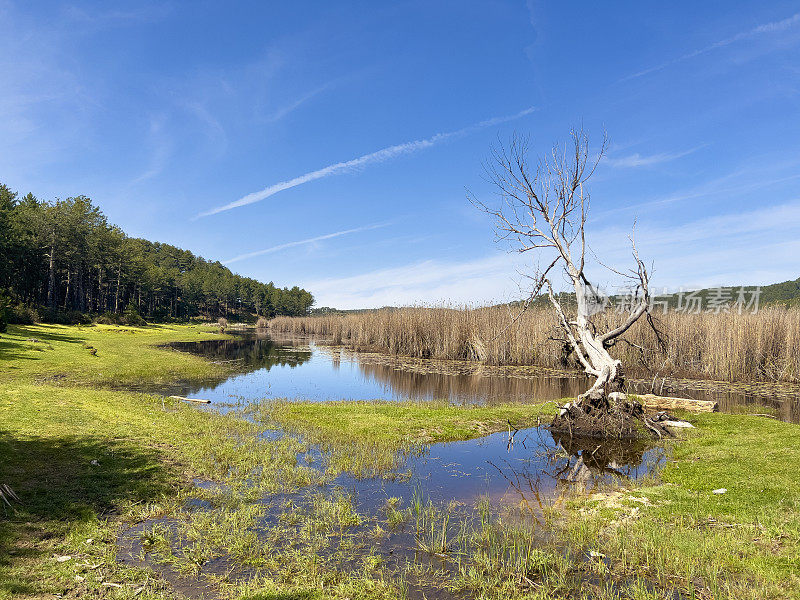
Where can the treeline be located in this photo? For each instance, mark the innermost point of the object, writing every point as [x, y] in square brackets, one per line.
[64, 258]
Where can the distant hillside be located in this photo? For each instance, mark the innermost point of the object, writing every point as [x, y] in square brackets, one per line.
[785, 294]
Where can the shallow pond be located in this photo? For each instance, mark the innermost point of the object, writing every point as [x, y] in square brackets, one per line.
[305, 369]
[521, 474]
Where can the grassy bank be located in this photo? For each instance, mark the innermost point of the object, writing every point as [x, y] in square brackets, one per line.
[728, 347]
[87, 463]
[372, 438]
[393, 423]
[106, 355]
[672, 536]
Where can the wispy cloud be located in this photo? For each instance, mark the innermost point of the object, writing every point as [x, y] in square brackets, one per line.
[213, 129]
[366, 159]
[637, 160]
[312, 240]
[47, 105]
[733, 248]
[766, 28]
[481, 280]
[733, 184]
[161, 149]
[98, 18]
[292, 106]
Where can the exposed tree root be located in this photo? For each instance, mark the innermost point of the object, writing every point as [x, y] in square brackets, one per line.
[607, 417]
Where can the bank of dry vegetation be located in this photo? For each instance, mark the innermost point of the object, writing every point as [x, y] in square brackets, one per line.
[729, 347]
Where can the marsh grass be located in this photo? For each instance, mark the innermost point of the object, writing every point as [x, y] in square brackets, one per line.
[374, 438]
[87, 463]
[432, 525]
[669, 538]
[725, 346]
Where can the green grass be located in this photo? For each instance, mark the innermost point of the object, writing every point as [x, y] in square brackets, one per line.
[84, 462]
[395, 422]
[87, 462]
[678, 534]
[372, 438]
[124, 355]
[671, 534]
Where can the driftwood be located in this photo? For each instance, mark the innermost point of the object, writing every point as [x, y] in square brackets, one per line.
[197, 400]
[652, 401]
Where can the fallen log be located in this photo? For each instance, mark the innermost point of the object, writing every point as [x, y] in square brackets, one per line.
[677, 424]
[670, 403]
[197, 400]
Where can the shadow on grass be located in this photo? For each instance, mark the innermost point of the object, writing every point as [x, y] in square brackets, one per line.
[62, 482]
[50, 335]
[15, 344]
[13, 350]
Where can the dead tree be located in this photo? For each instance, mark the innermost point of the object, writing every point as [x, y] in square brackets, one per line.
[543, 211]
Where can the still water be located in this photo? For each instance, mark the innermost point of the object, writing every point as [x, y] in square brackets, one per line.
[306, 369]
[527, 471]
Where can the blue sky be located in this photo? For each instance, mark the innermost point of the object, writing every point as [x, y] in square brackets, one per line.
[331, 144]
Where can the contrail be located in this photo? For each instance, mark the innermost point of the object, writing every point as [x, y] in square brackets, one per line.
[761, 29]
[374, 157]
[301, 243]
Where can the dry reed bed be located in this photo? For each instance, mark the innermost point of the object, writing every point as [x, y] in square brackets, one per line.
[729, 347]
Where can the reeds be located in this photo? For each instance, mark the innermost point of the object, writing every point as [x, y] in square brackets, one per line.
[725, 346]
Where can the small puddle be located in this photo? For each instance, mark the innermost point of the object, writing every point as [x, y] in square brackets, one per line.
[450, 484]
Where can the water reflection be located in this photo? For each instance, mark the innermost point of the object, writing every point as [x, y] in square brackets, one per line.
[476, 387]
[251, 352]
[520, 476]
[303, 369]
[532, 469]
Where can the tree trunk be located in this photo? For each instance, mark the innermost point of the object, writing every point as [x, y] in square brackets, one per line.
[66, 294]
[51, 278]
[80, 292]
[116, 296]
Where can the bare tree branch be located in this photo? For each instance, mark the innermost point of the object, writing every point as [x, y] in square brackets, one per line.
[545, 210]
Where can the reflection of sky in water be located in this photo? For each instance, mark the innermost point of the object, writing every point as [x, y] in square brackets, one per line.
[316, 379]
[321, 374]
[530, 471]
[284, 369]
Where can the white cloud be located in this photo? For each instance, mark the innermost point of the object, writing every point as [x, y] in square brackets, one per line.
[731, 185]
[312, 240]
[733, 248]
[756, 248]
[161, 149]
[637, 160]
[766, 28]
[484, 280]
[292, 106]
[45, 109]
[355, 163]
